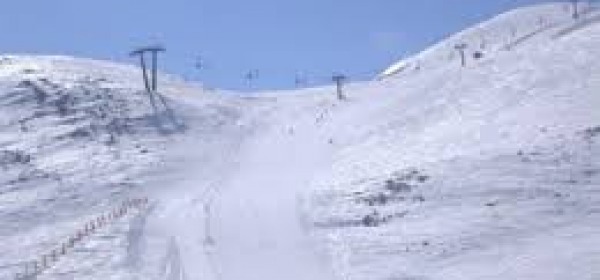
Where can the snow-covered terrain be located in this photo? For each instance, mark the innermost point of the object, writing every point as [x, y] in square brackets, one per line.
[513, 29]
[490, 171]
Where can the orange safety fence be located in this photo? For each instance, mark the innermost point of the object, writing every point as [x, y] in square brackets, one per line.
[30, 269]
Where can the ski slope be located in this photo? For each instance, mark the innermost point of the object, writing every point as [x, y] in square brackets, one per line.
[517, 28]
[485, 172]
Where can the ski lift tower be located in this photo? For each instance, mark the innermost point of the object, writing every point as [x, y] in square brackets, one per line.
[150, 83]
[339, 80]
[153, 50]
[461, 48]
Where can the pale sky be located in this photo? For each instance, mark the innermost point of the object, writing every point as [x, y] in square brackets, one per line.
[280, 38]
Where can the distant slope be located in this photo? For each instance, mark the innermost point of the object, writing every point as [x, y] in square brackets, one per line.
[513, 29]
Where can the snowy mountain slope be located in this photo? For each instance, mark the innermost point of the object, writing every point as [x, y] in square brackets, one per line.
[489, 171]
[513, 29]
[77, 138]
[446, 174]
[485, 172]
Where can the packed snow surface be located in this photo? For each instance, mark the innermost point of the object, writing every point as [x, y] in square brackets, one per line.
[489, 171]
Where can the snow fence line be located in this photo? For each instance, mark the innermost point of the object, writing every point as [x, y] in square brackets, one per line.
[31, 269]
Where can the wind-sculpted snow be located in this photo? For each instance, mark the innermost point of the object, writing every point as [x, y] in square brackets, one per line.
[76, 138]
[467, 216]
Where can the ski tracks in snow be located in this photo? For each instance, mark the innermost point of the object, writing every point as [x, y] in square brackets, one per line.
[243, 219]
[172, 268]
[179, 232]
[257, 218]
